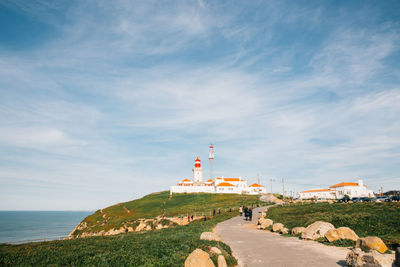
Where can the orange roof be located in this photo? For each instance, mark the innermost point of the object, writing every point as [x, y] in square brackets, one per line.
[186, 180]
[197, 159]
[210, 180]
[231, 179]
[316, 190]
[256, 185]
[343, 184]
[225, 184]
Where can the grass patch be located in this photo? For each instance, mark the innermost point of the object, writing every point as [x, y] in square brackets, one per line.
[166, 247]
[366, 219]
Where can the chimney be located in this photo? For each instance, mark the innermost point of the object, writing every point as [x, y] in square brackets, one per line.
[360, 183]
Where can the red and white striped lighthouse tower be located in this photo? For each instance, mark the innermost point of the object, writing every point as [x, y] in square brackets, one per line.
[197, 172]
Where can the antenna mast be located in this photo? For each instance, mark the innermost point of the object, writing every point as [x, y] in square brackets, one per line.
[211, 159]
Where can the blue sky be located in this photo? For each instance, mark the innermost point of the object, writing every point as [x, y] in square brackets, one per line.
[103, 102]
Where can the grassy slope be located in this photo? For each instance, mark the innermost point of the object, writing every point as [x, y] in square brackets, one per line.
[166, 247]
[157, 204]
[366, 219]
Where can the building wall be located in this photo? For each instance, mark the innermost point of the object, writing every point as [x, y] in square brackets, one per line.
[322, 194]
[353, 191]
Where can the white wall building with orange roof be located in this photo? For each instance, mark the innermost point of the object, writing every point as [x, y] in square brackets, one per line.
[338, 191]
[352, 190]
[221, 185]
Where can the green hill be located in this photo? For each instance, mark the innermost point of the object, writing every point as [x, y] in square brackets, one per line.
[158, 207]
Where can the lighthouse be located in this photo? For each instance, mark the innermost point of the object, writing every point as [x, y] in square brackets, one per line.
[197, 172]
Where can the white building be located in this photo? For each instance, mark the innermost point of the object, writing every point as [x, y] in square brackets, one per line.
[220, 185]
[339, 191]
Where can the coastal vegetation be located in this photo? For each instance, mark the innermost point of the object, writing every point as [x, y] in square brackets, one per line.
[366, 219]
[161, 205]
[165, 247]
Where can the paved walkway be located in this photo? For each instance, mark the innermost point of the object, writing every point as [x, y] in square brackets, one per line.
[253, 247]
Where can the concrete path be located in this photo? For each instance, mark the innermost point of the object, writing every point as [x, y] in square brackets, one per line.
[253, 247]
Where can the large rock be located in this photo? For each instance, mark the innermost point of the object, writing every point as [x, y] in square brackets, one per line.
[357, 258]
[222, 261]
[341, 233]
[264, 222]
[199, 258]
[316, 230]
[371, 243]
[209, 236]
[298, 230]
[276, 227]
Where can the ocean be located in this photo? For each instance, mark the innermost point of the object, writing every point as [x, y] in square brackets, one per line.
[20, 226]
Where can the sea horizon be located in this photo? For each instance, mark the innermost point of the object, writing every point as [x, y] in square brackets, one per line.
[22, 226]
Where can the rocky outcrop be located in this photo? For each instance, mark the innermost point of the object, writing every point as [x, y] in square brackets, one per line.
[277, 227]
[209, 236]
[199, 258]
[357, 258]
[264, 222]
[298, 230]
[222, 261]
[138, 225]
[316, 230]
[371, 243]
[142, 226]
[341, 233]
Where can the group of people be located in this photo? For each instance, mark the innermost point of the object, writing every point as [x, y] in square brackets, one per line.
[248, 213]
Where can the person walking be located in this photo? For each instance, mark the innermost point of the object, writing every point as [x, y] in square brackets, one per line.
[191, 217]
[214, 212]
[246, 213]
[250, 214]
[219, 211]
[241, 210]
[188, 218]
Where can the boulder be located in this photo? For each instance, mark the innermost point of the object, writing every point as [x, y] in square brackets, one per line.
[222, 261]
[199, 258]
[298, 230]
[341, 233]
[316, 230]
[215, 250]
[284, 230]
[264, 223]
[357, 258]
[276, 227]
[148, 228]
[209, 236]
[371, 243]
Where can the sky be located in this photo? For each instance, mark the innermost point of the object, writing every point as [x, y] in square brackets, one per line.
[103, 102]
